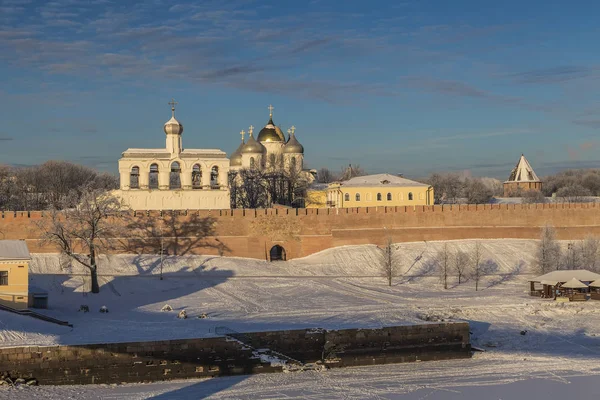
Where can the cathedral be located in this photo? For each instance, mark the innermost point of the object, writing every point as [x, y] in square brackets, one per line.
[176, 178]
[270, 150]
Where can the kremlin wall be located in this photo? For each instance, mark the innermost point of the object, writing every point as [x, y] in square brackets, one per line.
[301, 232]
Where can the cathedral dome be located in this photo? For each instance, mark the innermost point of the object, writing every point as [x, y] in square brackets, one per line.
[253, 147]
[293, 146]
[270, 133]
[235, 160]
[172, 126]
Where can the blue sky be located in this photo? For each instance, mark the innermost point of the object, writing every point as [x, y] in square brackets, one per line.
[396, 86]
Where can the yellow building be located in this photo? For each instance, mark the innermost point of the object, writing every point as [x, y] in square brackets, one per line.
[316, 196]
[379, 190]
[14, 273]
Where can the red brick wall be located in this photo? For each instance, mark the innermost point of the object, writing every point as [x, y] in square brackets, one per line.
[251, 233]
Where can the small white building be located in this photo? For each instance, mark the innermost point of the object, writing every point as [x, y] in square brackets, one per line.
[174, 178]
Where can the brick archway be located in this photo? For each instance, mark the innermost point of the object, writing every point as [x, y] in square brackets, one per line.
[277, 253]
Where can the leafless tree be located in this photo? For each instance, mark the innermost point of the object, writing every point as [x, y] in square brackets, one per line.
[572, 258]
[573, 194]
[251, 191]
[461, 264]
[443, 260]
[532, 196]
[447, 188]
[547, 255]
[476, 264]
[388, 261]
[590, 247]
[324, 175]
[351, 171]
[82, 232]
[476, 192]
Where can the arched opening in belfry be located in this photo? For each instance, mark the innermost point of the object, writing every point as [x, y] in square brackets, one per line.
[153, 177]
[196, 177]
[134, 178]
[214, 177]
[175, 176]
[277, 253]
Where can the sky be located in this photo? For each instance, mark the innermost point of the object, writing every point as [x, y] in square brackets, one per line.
[398, 86]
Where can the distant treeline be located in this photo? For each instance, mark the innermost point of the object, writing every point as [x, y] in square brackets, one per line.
[48, 185]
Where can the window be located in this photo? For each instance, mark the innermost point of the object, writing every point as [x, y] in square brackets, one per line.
[410, 196]
[272, 160]
[389, 197]
[134, 178]
[378, 196]
[175, 176]
[357, 197]
[214, 177]
[153, 177]
[3, 278]
[293, 163]
[347, 197]
[252, 162]
[196, 177]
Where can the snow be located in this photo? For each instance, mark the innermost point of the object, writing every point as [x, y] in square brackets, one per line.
[337, 288]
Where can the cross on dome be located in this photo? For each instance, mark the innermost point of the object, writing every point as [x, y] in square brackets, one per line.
[293, 129]
[251, 130]
[173, 103]
[271, 108]
[242, 133]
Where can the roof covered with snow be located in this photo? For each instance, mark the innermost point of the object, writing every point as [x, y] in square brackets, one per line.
[381, 180]
[14, 250]
[567, 275]
[523, 172]
[596, 283]
[164, 154]
[574, 284]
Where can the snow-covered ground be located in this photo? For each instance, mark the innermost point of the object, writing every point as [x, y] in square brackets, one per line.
[337, 288]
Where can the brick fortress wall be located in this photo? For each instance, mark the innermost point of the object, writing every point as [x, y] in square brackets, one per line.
[251, 233]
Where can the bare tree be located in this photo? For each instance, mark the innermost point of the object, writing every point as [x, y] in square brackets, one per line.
[476, 192]
[447, 188]
[590, 247]
[572, 258]
[461, 264]
[388, 262]
[547, 255]
[324, 175]
[443, 260]
[82, 232]
[351, 171]
[532, 196]
[574, 193]
[476, 264]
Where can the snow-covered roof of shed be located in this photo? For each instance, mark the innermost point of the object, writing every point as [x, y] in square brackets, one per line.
[14, 250]
[523, 172]
[381, 180]
[567, 275]
[574, 284]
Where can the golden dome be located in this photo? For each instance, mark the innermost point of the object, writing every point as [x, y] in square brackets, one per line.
[253, 147]
[235, 160]
[270, 133]
[293, 146]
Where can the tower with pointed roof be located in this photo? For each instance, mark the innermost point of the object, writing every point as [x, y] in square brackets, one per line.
[522, 178]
